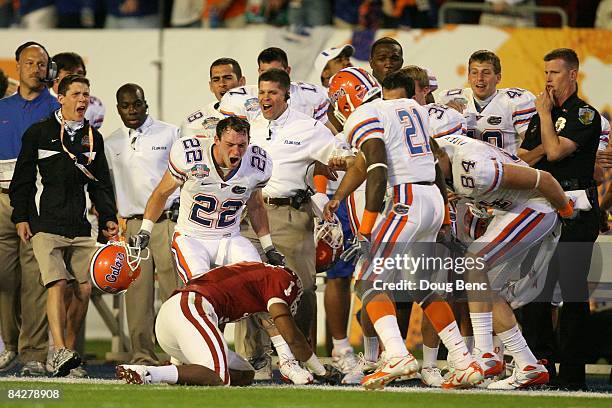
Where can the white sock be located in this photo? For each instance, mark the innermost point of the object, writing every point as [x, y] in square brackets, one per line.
[370, 348]
[390, 335]
[482, 326]
[469, 342]
[163, 374]
[457, 350]
[282, 348]
[517, 347]
[341, 346]
[498, 347]
[430, 356]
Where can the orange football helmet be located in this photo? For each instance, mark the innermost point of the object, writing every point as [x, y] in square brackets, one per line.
[329, 241]
[115, 266]
[475, 221]
[349, 88]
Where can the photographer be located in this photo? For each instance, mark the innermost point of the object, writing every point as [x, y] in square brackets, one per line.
[138, 155]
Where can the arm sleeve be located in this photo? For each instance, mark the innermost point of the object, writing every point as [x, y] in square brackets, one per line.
[523, 108]
[261, 177]
[281, 287]
[24, 176]
[583, 127]
[177, 165]
[101, 192]
[445, 121]
[362, 125]
[234, 103]
[190, 125]
[321, 105]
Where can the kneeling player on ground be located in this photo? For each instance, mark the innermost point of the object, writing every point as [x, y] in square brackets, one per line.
[187, 327]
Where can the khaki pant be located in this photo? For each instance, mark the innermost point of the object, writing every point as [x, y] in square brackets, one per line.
[140, 297]
[20, 285]
[292, 235]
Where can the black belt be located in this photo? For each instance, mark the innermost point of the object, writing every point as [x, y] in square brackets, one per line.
[162, 217]
[5, 191]
[576, 184]
[424, 183]
[277, 201]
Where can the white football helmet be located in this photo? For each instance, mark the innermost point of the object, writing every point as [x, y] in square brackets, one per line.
[329, 241]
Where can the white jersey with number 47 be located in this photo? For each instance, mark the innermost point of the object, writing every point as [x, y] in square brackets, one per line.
[210, 206]
[502, 121]
[404, 127]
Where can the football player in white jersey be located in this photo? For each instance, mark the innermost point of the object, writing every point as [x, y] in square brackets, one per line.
[218, 178]
[496, 116]
[225, 74]
[526, 202]
[394, 153]
[307, 98]
[72, 63]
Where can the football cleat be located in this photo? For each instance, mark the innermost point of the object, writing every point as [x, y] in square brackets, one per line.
[528, 376]
[349, 364]
[367, 366]
[431, 377]
[464, 377]
[133, 374]
[392, 368]
[262, 366]
[291, 372]
[491, 365]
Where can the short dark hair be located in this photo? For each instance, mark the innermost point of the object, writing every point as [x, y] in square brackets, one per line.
[129, 88]
[399, 79]
[23, 46]
[566, 54]
[3, 83]
[272, 54]
[227, 61]
[68, 61]
[235, 123]
[279, 76]
[68, 80]
[385, 41]
[486, 56]
[418, 74]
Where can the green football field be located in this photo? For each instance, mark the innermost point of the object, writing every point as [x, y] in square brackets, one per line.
[108, 394]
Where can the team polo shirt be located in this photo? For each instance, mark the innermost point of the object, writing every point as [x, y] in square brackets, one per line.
[16, 116]
[138, 158]
[294, 141]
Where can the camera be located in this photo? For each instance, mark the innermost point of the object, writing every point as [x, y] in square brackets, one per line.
[301, 197]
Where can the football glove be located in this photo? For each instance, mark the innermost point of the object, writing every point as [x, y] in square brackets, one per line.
[332, 376]
[360, 247]
[275, 257]
[140, 240]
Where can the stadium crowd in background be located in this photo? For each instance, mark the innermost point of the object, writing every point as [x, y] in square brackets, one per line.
[297, 14]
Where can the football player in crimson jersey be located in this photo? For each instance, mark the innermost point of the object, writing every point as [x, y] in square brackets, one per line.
[187, 326]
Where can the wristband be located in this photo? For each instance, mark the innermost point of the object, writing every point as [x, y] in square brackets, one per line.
[315, 366]
[147, 225]
[320, 183]
[537, 178]
[447, 219]
[367, 222]
[266, 242]
[568, 210]
[375, 165]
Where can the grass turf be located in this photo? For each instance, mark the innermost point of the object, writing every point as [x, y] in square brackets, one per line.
[126, 396]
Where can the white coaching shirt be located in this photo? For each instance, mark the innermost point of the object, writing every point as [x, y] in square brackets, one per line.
[501, 122]
[307, 98]
[203, 122]
[294, 141]
[137, 160]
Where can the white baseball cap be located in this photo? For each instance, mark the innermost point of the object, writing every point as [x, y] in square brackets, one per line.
[329, 54]
[433, 81]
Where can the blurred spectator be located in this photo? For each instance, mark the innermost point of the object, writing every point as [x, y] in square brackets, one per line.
[454, 16]
[346, 12]
[131, 14]
[604, 15]
[37, 14]
[7, 13]
[580, 13]
[409, 13]
[505, 15]
[80, 13]
[225, 13]
[308, 13]
[186, 13]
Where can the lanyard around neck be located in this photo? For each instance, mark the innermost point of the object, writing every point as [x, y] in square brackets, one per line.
[72, 156]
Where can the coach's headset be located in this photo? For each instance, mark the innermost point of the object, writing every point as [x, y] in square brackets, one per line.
[51, 72]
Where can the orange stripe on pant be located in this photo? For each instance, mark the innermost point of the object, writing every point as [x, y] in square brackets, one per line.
[505, 232]
[180, 260]
[526, 230]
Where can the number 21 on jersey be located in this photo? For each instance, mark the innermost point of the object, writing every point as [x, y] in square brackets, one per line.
[416, 138]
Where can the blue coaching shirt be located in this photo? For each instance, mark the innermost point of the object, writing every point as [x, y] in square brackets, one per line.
[17, 115]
